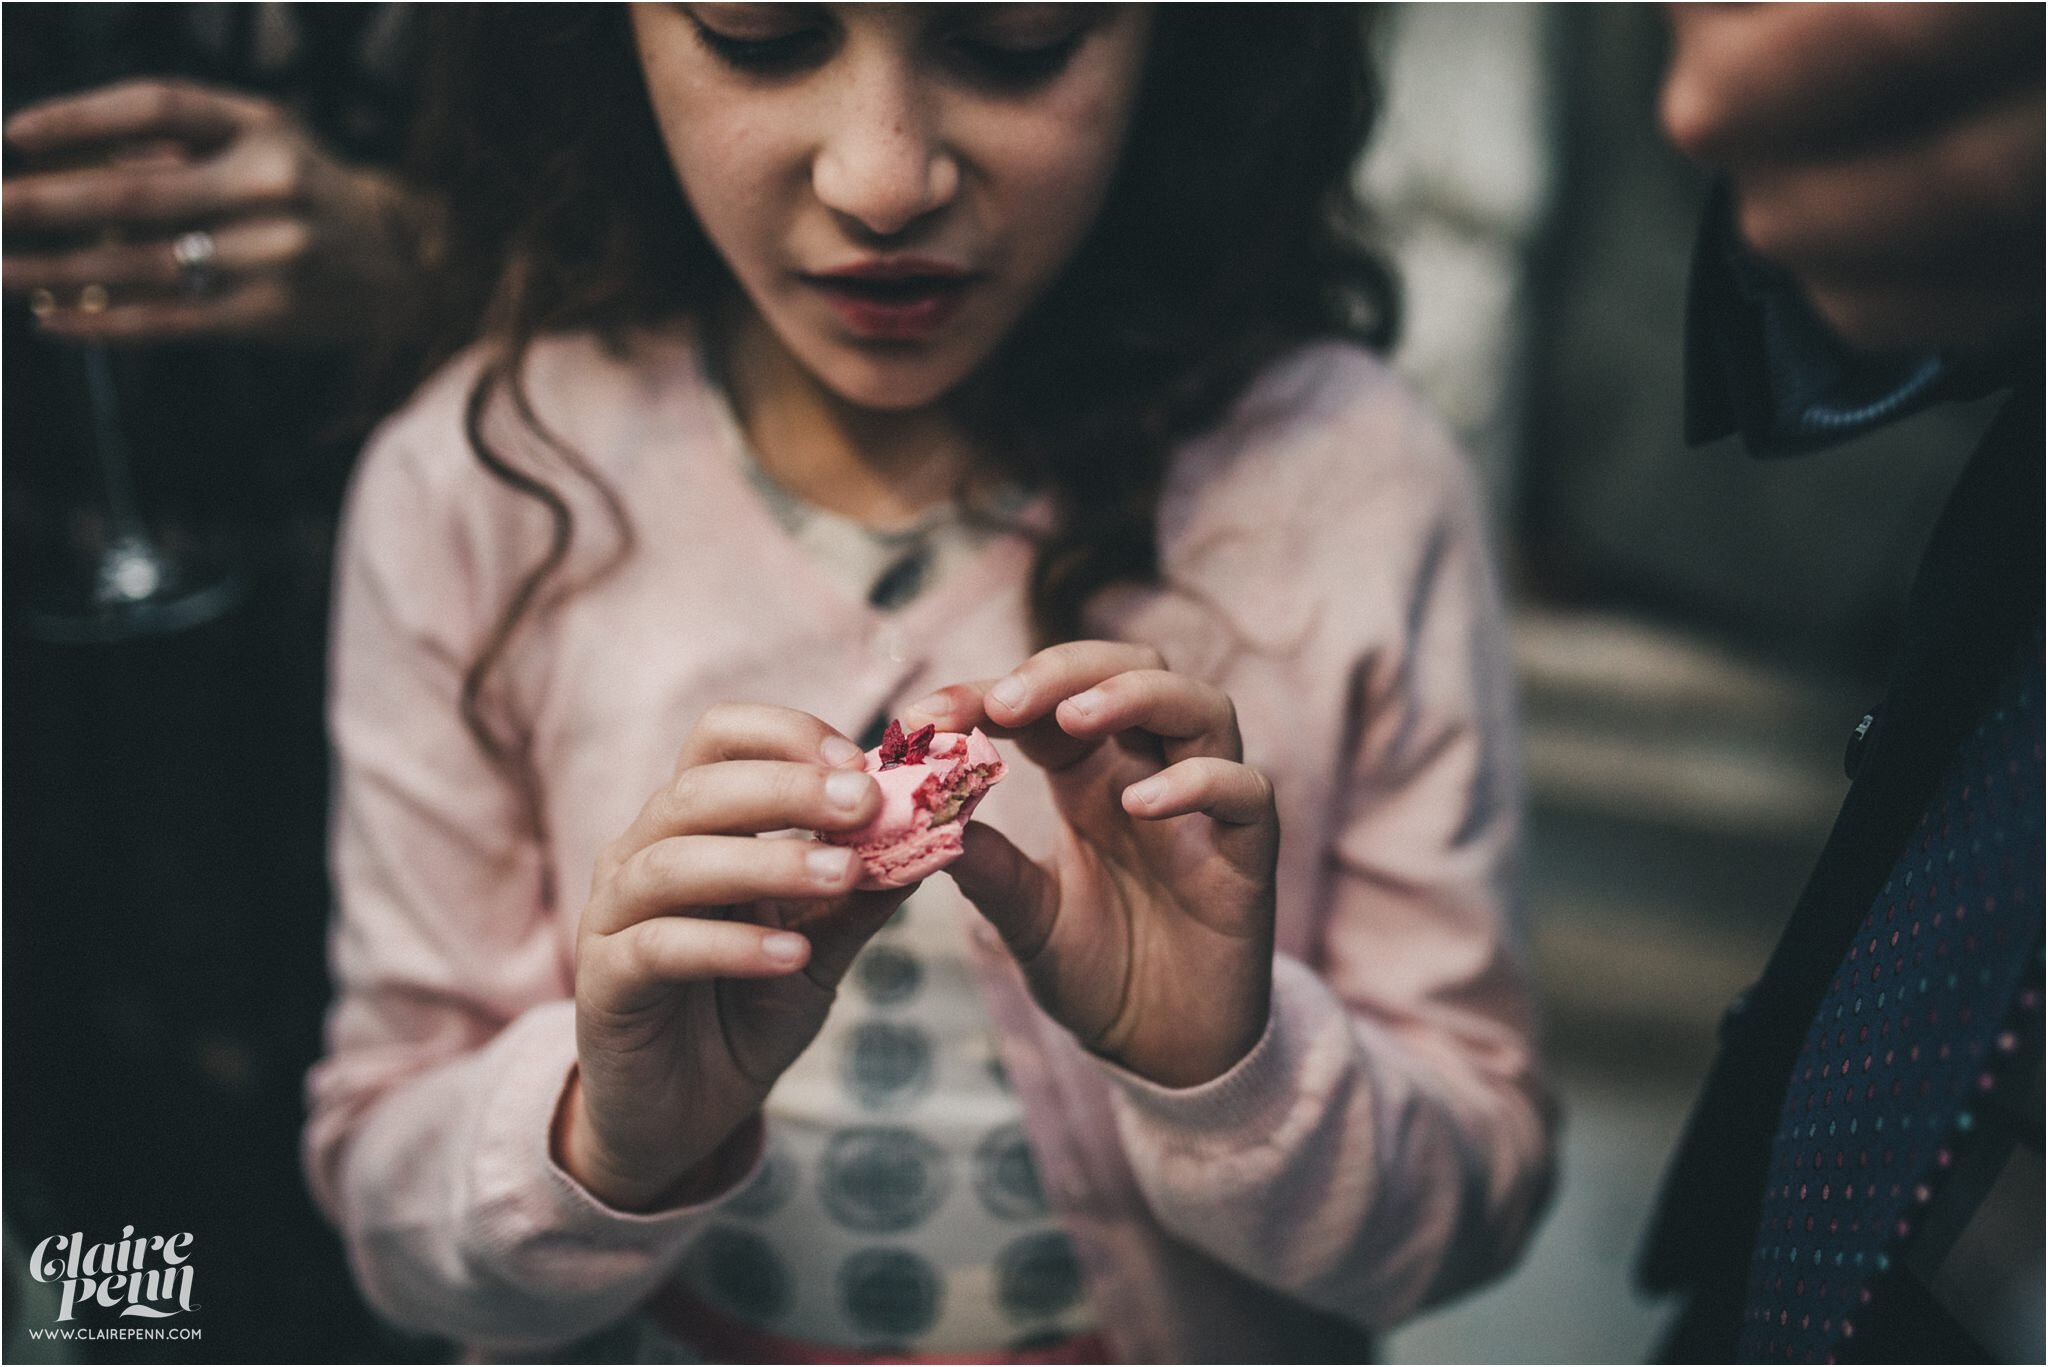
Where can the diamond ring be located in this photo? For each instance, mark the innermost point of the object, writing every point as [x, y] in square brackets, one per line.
[195, 253]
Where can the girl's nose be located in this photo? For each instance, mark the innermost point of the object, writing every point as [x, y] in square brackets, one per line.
[883, 166]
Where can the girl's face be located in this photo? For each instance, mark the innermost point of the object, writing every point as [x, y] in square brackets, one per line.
[893, 185]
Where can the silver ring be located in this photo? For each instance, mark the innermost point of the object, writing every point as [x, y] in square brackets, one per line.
[195, 253]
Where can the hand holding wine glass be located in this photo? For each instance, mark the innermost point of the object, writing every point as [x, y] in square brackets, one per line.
[155, 210]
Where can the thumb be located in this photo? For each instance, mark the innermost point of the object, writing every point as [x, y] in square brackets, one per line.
[1016, 895]
[840, 934]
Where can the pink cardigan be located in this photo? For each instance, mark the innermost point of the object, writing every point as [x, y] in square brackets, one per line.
[1386, 1144]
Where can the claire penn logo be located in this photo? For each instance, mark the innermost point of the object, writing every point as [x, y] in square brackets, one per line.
[148, 1278]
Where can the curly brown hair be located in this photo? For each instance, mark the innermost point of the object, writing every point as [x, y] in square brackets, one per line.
[1230, 236]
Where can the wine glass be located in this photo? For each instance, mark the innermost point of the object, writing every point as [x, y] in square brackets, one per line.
[130, 585]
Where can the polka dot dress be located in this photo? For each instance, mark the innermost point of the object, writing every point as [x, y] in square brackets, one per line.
[1939, 981]
[899, 1207]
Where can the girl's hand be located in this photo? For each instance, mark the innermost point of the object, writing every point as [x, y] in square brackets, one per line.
[707, 957]
[1150, 932]
[306, 247]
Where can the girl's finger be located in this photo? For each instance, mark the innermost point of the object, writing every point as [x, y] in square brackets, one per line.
[134, 109]
[956, 707]
[681, 949]
[719, 870]
[1007, 888]
[747, 797]
[1235, 794]
[1035, 687]
[1020, 705]
[1191, 716]
[255, 307]
[739, 731]
[762, 731]
[241, 248]
[840, 931]
[962, 706]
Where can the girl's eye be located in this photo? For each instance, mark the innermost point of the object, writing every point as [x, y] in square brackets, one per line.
[775, 55]
[1017, 65]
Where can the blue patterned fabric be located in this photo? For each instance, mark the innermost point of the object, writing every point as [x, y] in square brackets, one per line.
[1941, 976]
[1761, 362]
[1821, 391]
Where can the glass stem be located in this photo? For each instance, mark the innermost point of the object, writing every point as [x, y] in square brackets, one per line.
[110, 445]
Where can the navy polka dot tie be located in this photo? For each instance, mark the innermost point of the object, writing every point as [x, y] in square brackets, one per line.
[1939, 980]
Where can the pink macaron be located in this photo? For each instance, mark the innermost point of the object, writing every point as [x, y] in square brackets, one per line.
[931, 783]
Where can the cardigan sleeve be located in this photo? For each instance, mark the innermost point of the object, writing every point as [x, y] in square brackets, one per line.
[452, 1033]
[1387, 1142]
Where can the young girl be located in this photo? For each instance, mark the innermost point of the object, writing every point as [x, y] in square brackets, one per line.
[978, 366]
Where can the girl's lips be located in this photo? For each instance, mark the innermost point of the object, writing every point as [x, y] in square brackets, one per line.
[892, 303]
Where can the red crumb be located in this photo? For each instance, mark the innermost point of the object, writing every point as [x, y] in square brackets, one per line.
[898, 748]
[894, 747]
[918, 743]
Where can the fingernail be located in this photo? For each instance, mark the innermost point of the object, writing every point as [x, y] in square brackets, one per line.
[828, 864]
[1009, 692]
[838, 750]
[1087, 704]
[937, 705]
[783, 946]
[846, 789]
[1146, 793]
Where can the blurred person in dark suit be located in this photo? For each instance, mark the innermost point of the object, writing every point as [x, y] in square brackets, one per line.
[1862, 1177]
[209, 191]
